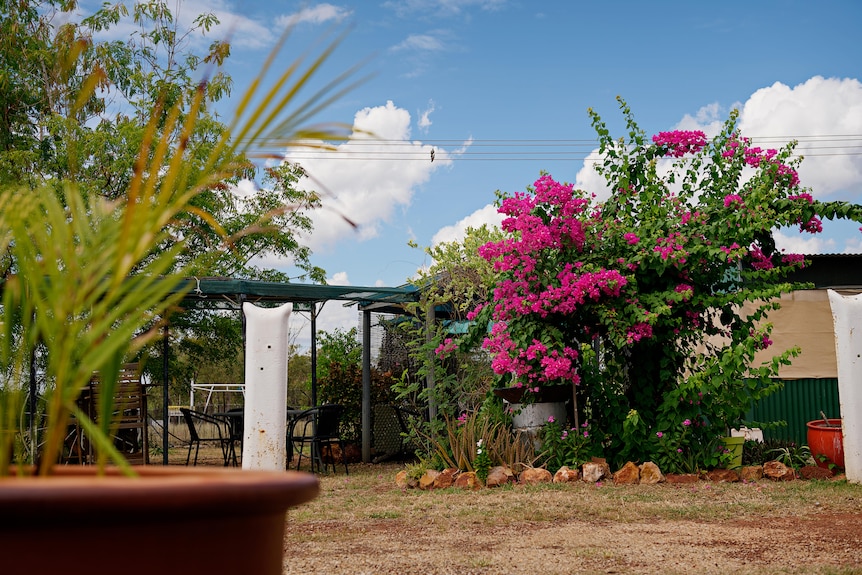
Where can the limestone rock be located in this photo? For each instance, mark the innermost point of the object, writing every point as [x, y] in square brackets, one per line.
[534, 475]
[566, 475]
[777, 471]
[723, 476]
[427, 480]
[751, 473]
[401, 480]
[628, 474]
[651, 474]
[445, 479]
[468, 480]
[606, 469]
[592, 472]
[498, 476]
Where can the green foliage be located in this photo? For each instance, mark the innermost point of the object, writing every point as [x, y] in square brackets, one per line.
[691, 448]
[482, 462]
[340, 379]
[570, 446]
[759, 452]
[416, 469]
[791, 455]
[452, 285]
[298, 377]
[339, 347]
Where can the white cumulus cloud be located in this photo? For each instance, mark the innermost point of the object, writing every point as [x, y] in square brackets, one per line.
[486, 215]
[368, 179]
[817, 113]
[316, 14]
[424, 121]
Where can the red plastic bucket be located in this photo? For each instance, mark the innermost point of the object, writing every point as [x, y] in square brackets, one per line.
[825, 438]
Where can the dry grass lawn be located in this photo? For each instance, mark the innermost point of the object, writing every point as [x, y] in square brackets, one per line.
[363, 523]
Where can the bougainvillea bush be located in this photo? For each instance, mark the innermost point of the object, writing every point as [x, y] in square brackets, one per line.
[653, 302]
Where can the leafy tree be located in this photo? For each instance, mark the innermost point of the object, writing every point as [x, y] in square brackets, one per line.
[77, 109]
[298, 377]
[338, 347]
[48, 136]
[45, 67]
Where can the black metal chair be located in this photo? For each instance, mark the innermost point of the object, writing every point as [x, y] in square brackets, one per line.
[319, 427]
[404, 415]
[219, 433]
[236, 421]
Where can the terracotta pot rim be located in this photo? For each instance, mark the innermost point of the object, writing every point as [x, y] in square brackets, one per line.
[80, 491]
[834, 423]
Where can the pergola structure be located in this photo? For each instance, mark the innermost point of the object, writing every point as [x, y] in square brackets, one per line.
[230, 294]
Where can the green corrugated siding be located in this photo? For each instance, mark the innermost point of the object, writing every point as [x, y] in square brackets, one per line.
[797, 403]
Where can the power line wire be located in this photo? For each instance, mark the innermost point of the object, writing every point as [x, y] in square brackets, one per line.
[535, 149]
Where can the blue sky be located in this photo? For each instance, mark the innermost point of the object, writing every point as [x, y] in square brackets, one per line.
[500, 90]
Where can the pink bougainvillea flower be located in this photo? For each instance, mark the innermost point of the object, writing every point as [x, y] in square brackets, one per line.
[793, 259]
[445, 348]
[732, 200]
[680, 142]
[812, 226]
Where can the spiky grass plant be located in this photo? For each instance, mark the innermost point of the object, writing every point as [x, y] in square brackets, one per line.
[458, 446]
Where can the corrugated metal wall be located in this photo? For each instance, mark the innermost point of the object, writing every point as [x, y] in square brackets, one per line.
[800, 401]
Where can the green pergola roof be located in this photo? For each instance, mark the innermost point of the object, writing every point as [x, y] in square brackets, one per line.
[229, 292]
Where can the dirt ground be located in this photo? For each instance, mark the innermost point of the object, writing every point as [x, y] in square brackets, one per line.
[379, 528]
[362, 523]
[827, 544]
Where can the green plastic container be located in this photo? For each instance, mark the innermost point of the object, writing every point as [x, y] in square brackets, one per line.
[734, 446]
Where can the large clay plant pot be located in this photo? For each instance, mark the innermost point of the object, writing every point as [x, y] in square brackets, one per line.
[169, 520]
[825, 440]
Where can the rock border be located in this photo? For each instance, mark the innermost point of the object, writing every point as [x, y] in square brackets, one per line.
[598, 470]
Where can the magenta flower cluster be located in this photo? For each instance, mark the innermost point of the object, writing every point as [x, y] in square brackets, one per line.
[756, 157]
[570, 269]
[680, 142]
[448, 346]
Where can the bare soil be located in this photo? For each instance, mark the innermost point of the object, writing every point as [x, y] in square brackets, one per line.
[362, 523]
[662, 529]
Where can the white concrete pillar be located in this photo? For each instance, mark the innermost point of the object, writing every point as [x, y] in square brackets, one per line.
[266, 337]
[847, 318]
